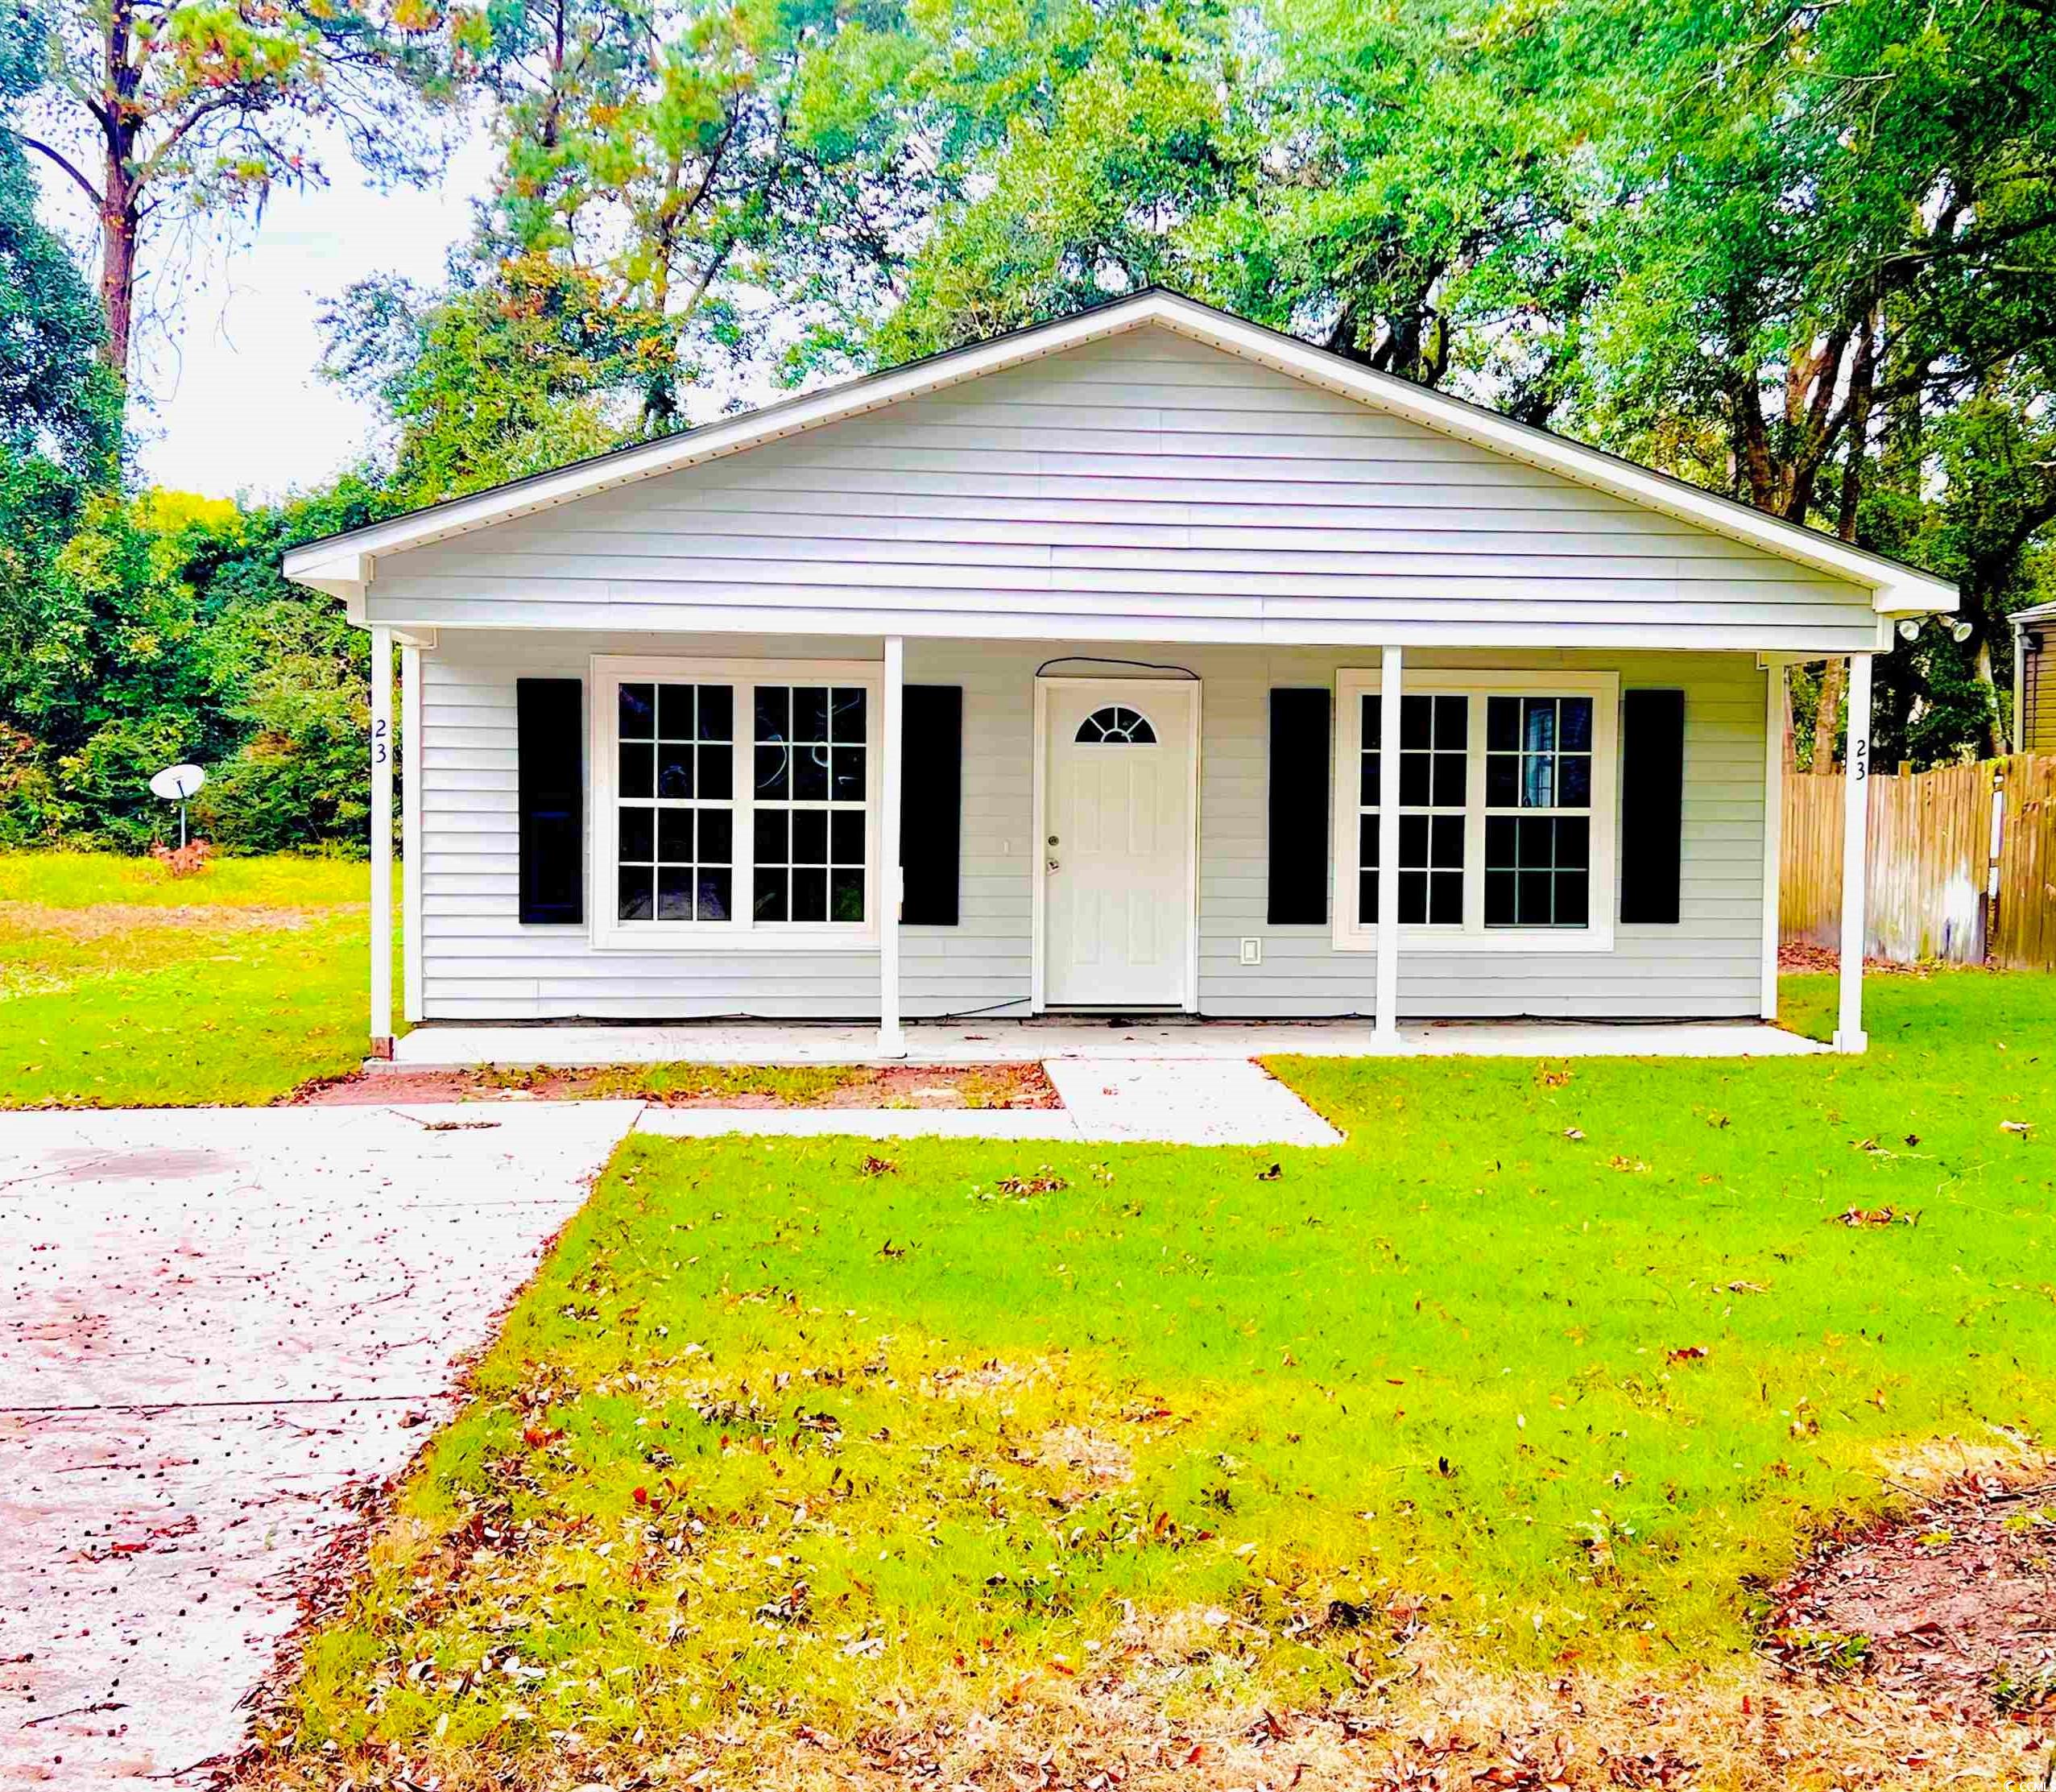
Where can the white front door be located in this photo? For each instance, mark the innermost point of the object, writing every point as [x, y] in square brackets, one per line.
[1117, 848]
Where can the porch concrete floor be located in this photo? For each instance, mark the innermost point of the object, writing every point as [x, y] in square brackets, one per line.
[574, 1044]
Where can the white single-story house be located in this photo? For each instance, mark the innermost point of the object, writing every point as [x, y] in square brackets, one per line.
[1145, 660]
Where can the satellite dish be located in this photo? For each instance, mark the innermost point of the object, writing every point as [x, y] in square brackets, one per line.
[175, 783]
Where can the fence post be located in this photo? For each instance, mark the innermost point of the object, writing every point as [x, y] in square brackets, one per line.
[1992, 865]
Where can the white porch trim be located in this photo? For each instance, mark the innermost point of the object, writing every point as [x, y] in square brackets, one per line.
[1849, 1035]
[1777, 710]
[382, 842]
[410, 829]
[1388, 708]
[891, 1040]
[571, 1046]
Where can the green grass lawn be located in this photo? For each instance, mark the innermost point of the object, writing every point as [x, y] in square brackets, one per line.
[121, 986]
[1545, 1372]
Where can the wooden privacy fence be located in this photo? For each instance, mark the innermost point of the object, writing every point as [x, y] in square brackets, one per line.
[1936, 889]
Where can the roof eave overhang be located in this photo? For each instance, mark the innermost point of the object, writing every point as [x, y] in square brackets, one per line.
[342, 565]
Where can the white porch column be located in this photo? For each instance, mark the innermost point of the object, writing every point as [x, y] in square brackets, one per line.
[1777, 713]
[1849, 1036]
[382, 842]
[1389, 696]
[409, 829]
[891, 1036]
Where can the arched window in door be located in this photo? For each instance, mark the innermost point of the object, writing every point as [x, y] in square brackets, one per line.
[1116, 726]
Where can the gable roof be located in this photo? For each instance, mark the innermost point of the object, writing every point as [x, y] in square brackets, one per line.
[342, 565]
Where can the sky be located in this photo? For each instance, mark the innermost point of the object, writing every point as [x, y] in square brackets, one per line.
[236, 405]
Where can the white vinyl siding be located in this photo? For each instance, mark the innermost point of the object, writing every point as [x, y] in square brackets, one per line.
[1142, 486]
[478, 962]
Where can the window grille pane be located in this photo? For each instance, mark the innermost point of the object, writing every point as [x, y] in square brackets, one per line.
[675, 712]
[716, 886]
[1537, 870]
[1114, 726]
[810, 714]
[633, 893]
[684, 763]
[638, 709]
[674, 893]
[809, 895]
[849, 721]
[849, 786]
[716, 708]
[1370, 757]
[809, 856]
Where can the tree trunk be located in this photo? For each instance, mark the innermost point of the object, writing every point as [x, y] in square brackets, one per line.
[118, 270]
[1995, 736]
[1827, 714]
[120, 192]
[1862, 379]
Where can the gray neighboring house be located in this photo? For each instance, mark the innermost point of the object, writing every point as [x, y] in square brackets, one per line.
[1145, 660]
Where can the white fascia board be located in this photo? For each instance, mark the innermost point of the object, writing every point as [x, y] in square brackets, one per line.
[1896, 590]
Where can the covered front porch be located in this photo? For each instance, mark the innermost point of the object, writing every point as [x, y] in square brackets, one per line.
[1057, 849]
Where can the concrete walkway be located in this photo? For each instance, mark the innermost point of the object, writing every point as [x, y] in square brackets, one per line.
[218, 1325]
[571, 1046]
[1106, 1101]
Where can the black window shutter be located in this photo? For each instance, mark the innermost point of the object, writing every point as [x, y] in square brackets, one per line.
[1300, 721]
[1651, 805]
[931, 803]
[552, 735]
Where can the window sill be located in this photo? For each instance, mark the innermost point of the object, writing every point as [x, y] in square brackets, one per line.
[690, 937]
[1416, 941]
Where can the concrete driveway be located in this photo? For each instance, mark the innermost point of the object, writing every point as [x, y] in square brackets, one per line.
[219, 1326]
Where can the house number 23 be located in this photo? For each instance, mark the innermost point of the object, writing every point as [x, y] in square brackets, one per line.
[379, 730]
[1860, 758]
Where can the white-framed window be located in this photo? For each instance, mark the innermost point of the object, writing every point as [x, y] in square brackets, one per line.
[1505, 785]
[735, 802]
